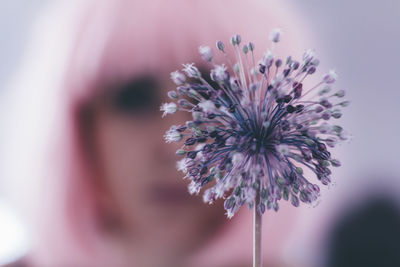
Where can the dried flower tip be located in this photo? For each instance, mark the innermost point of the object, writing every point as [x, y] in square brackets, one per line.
[268, 58]
[183, 165]
[209, 196]
[275, 35]
[237, 158]
[191, 70]
[308, 55]
[207, 106]
[172, 135]
[178, 78]
[283, 149]
[168, 108]
[330, 77]
[206, 53]
[219, 73]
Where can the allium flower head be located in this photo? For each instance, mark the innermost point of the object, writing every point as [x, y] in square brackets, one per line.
[256, 127]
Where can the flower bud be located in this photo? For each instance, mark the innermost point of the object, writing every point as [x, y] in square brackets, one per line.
[178, 78]
[206, 53]
[251, 46]
[330, 77]
[173, 95]
[275, 35]
[180, 152]
[340, 93]
[168, 108]
[220, 46]
[191, 70]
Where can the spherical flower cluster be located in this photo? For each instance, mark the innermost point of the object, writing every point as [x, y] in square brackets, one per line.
[256, 128]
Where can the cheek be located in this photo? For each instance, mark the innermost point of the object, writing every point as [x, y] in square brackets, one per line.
[124, 158]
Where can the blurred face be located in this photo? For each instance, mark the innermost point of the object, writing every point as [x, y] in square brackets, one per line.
[137, 174]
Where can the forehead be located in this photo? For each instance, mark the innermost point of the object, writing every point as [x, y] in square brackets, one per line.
[124, 39]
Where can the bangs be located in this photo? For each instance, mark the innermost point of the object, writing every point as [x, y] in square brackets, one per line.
[120, 40]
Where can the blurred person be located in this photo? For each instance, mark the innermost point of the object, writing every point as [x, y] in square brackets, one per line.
[84, 157]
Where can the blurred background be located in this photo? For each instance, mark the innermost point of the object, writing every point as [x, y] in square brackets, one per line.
[357, 222]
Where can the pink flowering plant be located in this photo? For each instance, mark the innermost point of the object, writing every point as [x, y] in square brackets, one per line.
[255, 128]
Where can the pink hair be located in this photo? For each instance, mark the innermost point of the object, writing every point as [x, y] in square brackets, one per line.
[78, 48]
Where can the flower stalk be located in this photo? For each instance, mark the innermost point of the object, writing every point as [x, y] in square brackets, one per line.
[257, 234]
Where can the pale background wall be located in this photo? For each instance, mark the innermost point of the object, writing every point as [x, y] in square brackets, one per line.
[16, 18]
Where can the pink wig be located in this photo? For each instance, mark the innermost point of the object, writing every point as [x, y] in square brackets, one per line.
[80, 46]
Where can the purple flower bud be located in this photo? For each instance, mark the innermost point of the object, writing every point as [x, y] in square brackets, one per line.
[325, 180]
[207, 148]
[229, 203]
[261, 208]
[336, 114]
[340, 93]
[294, 200]
[294, 65]
[297, 88]
[275, 35]
[311, 70]
[251, 46]
[190, 141]
[278, 63]
[330, 77]
[345, 103]
[331, 141]
[191, 154]
[173, 95]
[245, 49]
[183, 103]
[335, 163]
[236, 39]
[181, 90]
[220, 46]
[325, 103]
[326, 116]
[319, 109]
